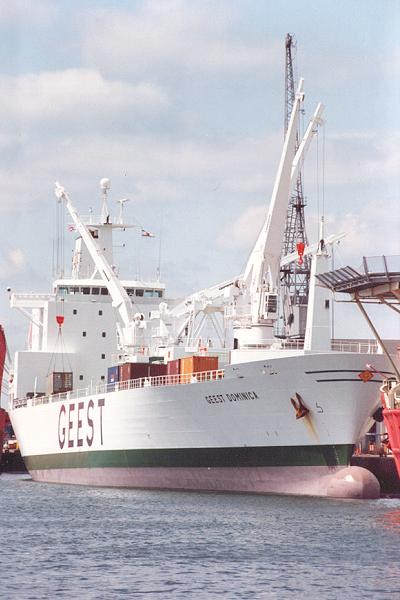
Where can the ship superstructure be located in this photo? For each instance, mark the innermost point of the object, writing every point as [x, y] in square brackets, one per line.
[279, 416]
[76, 327]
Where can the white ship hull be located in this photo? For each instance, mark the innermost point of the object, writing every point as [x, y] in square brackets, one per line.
[237, 434]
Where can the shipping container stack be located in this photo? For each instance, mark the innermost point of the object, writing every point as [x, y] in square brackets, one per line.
[194, 367]
[129, 371]
[180, 370]
[59, 382]
[174, 368]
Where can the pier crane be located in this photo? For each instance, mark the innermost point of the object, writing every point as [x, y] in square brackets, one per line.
[295, 277]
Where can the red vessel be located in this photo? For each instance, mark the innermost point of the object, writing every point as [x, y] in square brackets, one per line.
[3, 415]
[390, 398]
[378, 281]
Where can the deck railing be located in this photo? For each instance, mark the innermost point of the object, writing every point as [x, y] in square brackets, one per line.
[364, 347]
[357, 346]
[274, 345]
[106, 388]
[352, 346]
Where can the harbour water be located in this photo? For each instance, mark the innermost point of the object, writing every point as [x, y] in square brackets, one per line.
[76, 542]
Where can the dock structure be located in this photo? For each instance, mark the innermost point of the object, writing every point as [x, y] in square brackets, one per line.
[378, 281]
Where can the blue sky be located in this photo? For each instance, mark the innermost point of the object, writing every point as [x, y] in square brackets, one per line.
[180, 103]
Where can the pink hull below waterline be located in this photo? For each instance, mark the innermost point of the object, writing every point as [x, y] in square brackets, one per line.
[339, 482]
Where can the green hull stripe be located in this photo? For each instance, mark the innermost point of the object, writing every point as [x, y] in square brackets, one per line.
[260, 456]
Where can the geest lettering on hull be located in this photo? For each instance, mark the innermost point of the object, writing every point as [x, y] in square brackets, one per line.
[78, 426]
[234, 397]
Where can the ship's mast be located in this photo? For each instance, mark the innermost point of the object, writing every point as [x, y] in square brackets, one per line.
[295, 278]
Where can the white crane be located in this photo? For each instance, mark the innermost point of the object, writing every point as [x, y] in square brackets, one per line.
[250, 299]
[257, 307]
[127, 331]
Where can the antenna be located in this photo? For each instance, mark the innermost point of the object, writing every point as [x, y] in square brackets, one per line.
[295, 278]
[159, 249]
[121, 209]
[105, 185]
[58, 247]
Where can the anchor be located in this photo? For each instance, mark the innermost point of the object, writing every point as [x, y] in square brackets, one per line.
[299, 406]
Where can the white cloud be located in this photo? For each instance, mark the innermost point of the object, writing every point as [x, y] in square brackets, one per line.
[154, 167]
[361, 157]
[11, 263]
[16, 12]
[243, 231]
[17, 258]
[372, 231]
[173, 34]
[75, 94]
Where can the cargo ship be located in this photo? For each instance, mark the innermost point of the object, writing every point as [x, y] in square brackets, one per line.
[174, 410]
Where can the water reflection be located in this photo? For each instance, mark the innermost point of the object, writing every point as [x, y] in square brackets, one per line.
[390, 520]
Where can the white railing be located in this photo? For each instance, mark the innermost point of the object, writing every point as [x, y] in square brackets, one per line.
[354, 346]
[365, 347]
[29, 299]
[274, 345]
[106, 388]
[34, 295]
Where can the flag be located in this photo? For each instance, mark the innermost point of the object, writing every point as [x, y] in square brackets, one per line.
[71, 227]
[147, 233]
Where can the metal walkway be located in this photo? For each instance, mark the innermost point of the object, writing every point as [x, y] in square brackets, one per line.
[379, 277]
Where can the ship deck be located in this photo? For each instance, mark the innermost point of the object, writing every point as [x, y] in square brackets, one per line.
[340, 346]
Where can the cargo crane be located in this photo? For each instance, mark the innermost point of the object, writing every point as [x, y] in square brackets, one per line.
[197, 317]
[131, 324]
[250, 300]
[256, 313]
[295, 277]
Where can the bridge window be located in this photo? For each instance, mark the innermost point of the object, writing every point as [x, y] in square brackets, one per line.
[95, 291]
[139, 292]
[104, 291]
[85, 290]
